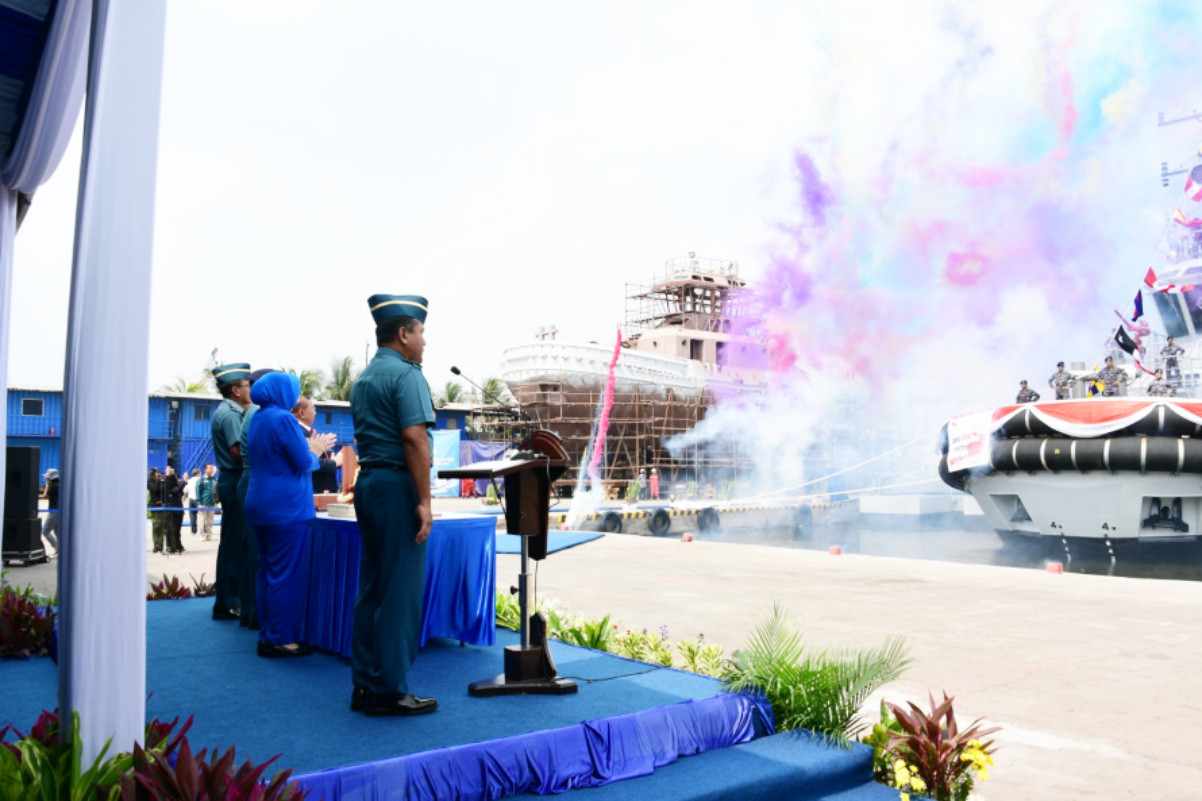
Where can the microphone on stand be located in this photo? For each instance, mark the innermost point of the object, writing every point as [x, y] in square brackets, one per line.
[483, 392]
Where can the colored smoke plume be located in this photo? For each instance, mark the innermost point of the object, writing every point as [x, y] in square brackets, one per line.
[960, 223]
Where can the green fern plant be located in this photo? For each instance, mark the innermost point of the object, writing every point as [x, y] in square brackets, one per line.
[821, 691]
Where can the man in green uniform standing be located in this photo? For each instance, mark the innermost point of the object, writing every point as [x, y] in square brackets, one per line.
[250, 552]
[390, 403]
[233, 382]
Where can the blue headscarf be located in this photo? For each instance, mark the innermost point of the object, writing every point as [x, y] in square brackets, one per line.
[276, 389]
[281, 483]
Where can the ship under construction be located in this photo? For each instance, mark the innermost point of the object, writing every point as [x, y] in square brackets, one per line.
[691, 337]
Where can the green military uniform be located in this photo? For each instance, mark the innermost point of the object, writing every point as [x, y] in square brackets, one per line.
[391, 394]
[250, 552]
[226, 428]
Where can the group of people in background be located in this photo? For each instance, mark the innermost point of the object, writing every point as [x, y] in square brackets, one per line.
[169, 495]
[1113, 379]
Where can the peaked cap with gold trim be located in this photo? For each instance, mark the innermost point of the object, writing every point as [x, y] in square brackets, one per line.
[226, 373]
[386, 307]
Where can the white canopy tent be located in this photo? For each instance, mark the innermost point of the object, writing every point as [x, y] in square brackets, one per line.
[102, 573]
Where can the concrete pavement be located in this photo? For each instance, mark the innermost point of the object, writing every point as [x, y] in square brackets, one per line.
[1096, 681]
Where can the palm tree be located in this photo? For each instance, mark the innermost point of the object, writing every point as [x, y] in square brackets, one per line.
[311, 380]
[342, 378]
[451, 393]
[204, 386]
[495, 391]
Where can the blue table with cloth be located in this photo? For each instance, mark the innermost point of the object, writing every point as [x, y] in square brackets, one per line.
[460, 598]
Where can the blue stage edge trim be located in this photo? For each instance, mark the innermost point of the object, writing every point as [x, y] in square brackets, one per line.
[590, 754]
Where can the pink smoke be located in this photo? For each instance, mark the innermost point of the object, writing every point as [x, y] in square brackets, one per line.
[607, 404]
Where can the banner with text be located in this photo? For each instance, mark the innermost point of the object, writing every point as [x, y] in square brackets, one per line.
[968, 438]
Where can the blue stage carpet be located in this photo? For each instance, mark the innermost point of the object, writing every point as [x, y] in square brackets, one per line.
[556, 540]
[299, 710]
[790, 765]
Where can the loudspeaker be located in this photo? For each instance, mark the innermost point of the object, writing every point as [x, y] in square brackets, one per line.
[23, 540]
[21, 482]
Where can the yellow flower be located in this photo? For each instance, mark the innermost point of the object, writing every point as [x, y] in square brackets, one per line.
[917, 784]
[983, 775]
[905, 797]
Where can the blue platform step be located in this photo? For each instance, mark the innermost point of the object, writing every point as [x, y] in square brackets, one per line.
[790, 765]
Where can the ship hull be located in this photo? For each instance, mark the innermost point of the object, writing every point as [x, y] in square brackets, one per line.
[562, 387]
[1114, 508]
[1117, 471]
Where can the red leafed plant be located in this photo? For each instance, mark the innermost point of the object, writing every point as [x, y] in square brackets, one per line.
[933, 747]
[193, 778]
[168, 589]
[39, 765]
[26, 623]
[202, 588]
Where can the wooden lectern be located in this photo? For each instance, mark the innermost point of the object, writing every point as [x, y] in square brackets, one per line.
[528, 475]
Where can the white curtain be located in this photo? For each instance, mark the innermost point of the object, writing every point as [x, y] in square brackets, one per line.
[53, 108]
[102, 571]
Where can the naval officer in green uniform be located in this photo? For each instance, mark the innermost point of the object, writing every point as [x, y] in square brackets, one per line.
[390, 404]
[250, 544]
[233, 382]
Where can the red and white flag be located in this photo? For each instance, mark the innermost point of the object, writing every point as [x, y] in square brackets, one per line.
[1189, 222]
[1193, 184]
[1151, 281]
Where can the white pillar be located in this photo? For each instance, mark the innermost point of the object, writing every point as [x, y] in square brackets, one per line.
[102, 573]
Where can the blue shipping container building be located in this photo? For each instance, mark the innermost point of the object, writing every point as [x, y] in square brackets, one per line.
[178, 425]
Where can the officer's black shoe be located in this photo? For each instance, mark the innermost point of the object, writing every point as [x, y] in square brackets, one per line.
[393, 705]
[359, 698]
[269, 650]
[227, 614]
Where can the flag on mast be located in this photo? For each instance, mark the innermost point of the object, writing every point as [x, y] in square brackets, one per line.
[1193, 184]
[1188, 222]
[1152, 283]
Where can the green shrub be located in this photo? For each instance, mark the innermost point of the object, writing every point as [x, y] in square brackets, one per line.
[509, 612]
[596, 634]
[699, 657]
[820, 691]
[37, 766]
[652, 648]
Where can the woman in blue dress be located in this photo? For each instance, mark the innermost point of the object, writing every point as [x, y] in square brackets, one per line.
[279, 504]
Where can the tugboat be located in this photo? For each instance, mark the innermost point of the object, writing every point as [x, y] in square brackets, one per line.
[1117, 471]
[690, 337]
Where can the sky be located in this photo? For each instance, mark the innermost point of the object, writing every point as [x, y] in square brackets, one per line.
[936, 198]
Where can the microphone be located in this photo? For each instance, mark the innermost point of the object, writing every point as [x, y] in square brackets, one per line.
[483, 392]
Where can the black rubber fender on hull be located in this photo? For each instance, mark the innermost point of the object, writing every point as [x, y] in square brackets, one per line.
[1139, 454]
[661, 523]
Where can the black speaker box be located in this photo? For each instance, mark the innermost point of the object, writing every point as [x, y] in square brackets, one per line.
[21, 482]
[23, 540]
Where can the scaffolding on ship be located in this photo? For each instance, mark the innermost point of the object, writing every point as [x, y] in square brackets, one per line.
[693, 294]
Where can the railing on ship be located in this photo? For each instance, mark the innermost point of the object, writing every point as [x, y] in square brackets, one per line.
[595, 359]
